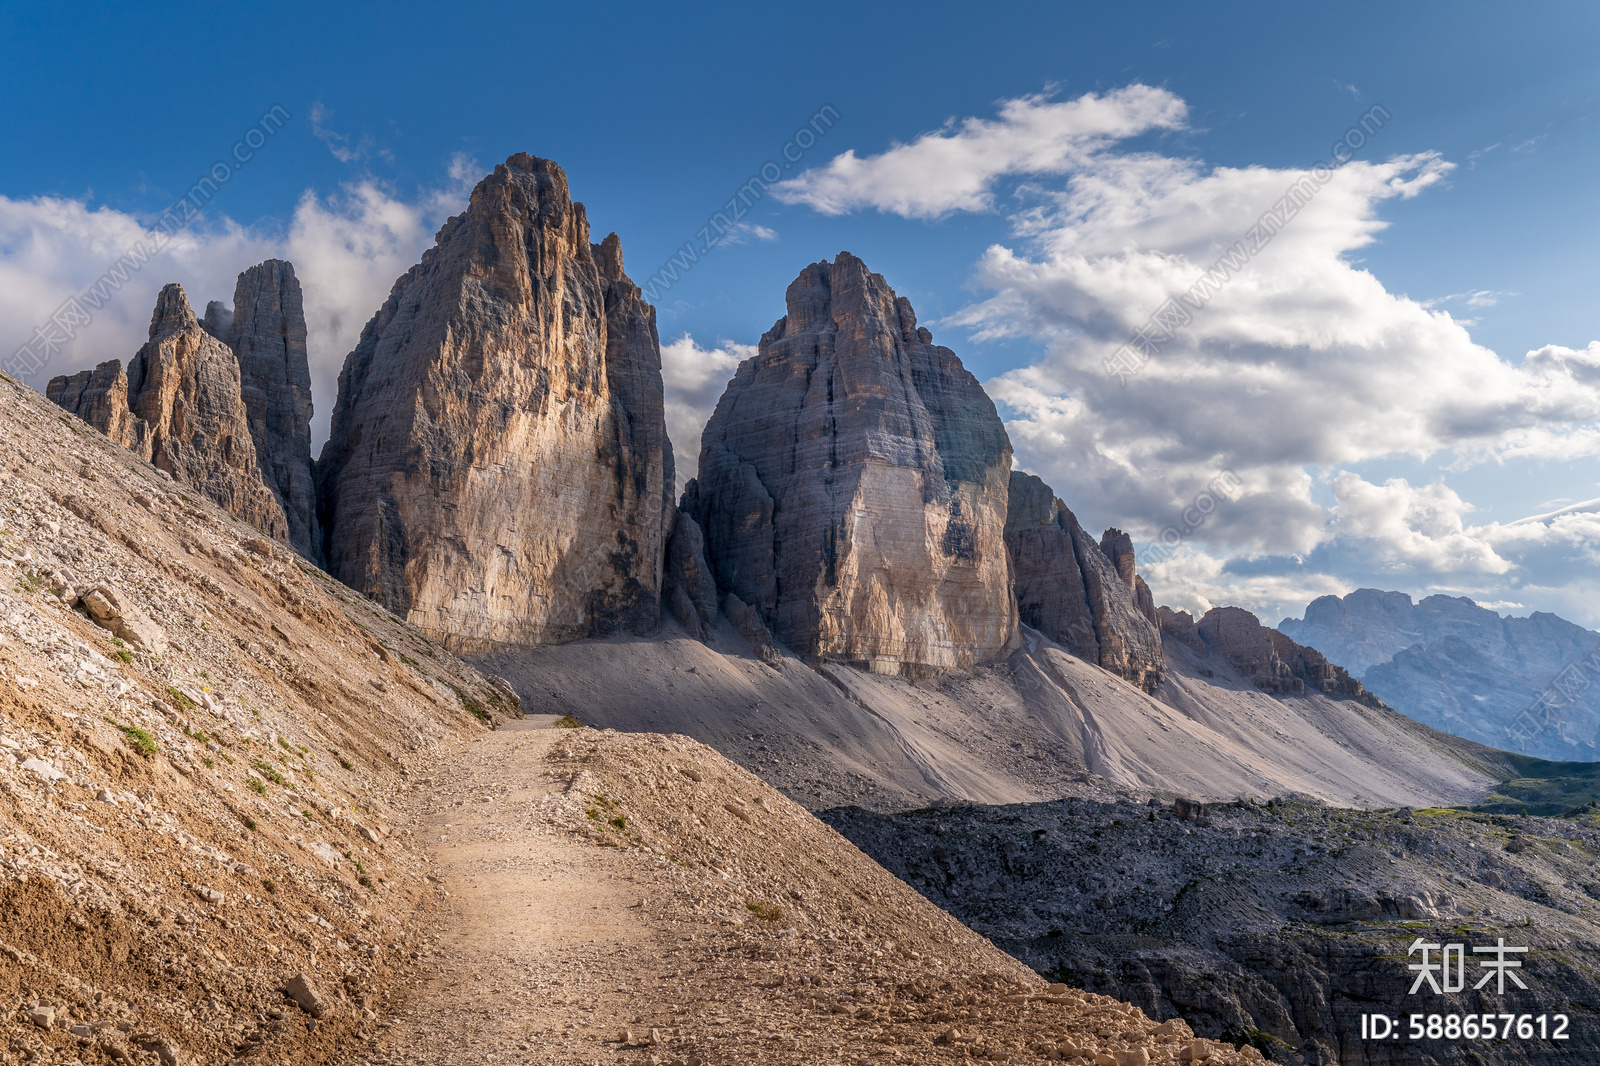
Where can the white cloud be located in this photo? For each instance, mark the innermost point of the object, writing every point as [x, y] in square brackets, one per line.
[347, 249]
[1400, 527]
[954, 169]
[741, 232]
[695, 378]
[1298, 370]
[1473, 298]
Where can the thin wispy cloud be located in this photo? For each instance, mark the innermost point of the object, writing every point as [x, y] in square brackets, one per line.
[1474, 298]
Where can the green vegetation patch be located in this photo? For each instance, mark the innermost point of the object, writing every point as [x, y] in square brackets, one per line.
[140, 741]
[472, 706]
[765, 911]
[265, 770]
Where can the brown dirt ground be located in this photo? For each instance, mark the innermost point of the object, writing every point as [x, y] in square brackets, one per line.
[639, 899]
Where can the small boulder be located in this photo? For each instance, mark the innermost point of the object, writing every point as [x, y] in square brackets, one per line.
[43, 1017]
[306, 993]
[111, 610]
[327, 853]
[47, 773]
[160, 1047]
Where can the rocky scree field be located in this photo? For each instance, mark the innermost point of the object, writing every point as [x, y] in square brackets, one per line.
[1270, 924]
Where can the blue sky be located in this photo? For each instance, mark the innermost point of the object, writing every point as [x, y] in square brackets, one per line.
[659, 113]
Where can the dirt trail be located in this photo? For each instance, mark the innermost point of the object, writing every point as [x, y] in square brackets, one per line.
[638, 899]
[543, 929]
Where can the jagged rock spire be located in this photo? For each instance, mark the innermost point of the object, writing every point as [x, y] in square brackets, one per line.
[853, 485]
[498, 469]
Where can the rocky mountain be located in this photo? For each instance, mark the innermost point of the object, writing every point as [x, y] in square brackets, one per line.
[1272, 661]
[267, 332]
[249, 816]
[1273, 925]
[852, 486]
[498, 470]
[1526, 684]
[180, 406]
[1081, 594]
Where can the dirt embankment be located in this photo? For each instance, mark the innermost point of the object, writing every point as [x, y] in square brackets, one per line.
[200, 740]
[639, 899]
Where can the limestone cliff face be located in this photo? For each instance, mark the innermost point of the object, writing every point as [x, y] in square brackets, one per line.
[267, 332]
[179, 406]
[1081, 594]
[853, 485]
[100, 398]
[1272, 661]
[498, 470]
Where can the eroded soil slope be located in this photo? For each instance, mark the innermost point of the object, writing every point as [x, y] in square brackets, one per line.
[198, 810]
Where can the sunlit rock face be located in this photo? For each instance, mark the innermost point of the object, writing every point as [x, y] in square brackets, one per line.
[498, 470]
[853, 485]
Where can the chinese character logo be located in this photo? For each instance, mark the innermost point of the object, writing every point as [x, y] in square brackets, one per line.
[1449, 972]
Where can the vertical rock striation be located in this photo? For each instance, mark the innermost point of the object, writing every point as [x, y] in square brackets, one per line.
[179, 406]
[498, 470]
[100, 398]
[1081, 594]
[852, 485]
[267, 332]
[688, 591]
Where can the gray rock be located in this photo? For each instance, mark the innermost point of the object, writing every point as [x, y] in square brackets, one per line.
[160, 1047]
[267, 332]
[689, 592]
[179, 406]
[1290, 918]
[498, 470]
[43, 770]
[852, 485]
[309, 995]
[747, 621]
[110, 609]
[1081, 594]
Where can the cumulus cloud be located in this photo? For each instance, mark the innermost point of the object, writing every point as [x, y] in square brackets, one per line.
[1292, 371]
[695, 378]
[347, 248]
[955, 168]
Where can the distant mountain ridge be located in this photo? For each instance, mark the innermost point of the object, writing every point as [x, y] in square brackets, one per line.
[1464, 669]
